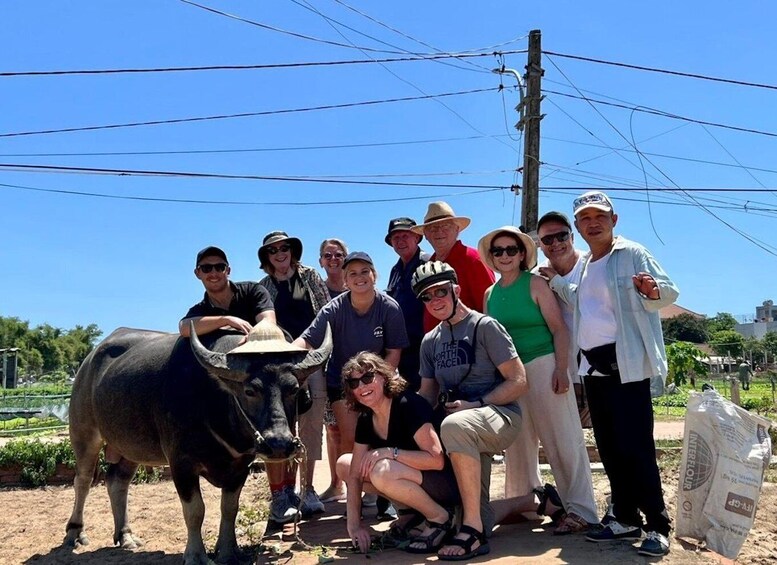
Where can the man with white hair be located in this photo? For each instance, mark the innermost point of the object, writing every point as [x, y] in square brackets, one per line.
[441, 228]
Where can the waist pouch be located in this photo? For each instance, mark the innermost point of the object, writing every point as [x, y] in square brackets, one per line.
[602, 359]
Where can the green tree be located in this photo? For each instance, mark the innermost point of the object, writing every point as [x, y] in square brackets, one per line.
[769, 343]
[684, 360]
[752, 346]
[727, 343]
[722, 321]
[45, 348]
[685, 327]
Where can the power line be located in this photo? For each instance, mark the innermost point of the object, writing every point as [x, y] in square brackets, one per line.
[405, 35]
[141, 70]
[332, 21]
[254, 150]
[664, 155]
[655, 112]
[189, 174]
[232, 202]
[395, 75]
[733, 228]
[662, 71]
[247, 114]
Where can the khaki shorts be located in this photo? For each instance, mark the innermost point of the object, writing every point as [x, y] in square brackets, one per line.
[478, 430]
[311, 423]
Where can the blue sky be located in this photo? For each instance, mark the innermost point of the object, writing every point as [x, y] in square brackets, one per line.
[73, 259]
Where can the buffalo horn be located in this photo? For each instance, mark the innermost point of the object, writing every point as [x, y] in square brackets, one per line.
[316, 358]
[218, 364]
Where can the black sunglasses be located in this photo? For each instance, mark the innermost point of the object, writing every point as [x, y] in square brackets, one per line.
[283, 249]
[208, 267]
[336, 255]
[560, 236]
[511, 251]
[365, 379]
[432, 294]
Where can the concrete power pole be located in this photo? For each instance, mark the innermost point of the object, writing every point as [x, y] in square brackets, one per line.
[531, 152]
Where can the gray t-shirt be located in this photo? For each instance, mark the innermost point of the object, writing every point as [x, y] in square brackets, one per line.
[381, 328]
[447, 356]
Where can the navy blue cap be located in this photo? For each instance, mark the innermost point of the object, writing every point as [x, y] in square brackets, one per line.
[357, 256]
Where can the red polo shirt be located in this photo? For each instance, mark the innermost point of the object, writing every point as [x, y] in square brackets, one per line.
[474, 279]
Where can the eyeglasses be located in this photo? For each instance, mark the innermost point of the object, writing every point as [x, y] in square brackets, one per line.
[336, 255]
[365, 379]
[208, 267]
[511, 250]
[432, 294]
[560, 237]
[283, 249]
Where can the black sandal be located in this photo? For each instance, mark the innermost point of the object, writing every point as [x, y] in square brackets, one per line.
[402, 532]
[466, 544]
[549, 493]
[440, 534]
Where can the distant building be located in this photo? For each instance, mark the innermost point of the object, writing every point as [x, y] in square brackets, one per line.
[674, 310]
[762, 323]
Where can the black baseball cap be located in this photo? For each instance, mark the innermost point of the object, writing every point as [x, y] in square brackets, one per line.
[211, 251]
[357, 256]
[554, 216]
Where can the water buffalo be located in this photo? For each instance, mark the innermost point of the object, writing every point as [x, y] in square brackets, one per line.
[205, 410]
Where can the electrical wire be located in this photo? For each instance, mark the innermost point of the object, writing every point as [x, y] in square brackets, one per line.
[232, 202]
[410, 37]
[662, 71]
[191, 174]
[407, 82]
[141, 70]
[662, 113]
[733, 228]
[330, 20]
[247, 114]
[253, 150]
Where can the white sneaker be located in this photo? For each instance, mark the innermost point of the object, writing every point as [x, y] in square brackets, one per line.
[311, 503]
[282, 509]
[654, 545]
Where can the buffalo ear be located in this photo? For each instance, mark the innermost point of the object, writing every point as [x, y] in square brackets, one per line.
[217, 364]
[315, 359]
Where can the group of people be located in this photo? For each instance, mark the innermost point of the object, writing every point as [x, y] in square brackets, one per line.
[449, 367]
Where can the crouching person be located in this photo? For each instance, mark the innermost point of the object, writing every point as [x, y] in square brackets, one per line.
[469, 361]
[397, 454]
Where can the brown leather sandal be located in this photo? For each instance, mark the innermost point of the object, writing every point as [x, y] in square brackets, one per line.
[571, 524]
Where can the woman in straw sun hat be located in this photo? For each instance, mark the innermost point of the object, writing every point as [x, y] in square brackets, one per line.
[530, 313]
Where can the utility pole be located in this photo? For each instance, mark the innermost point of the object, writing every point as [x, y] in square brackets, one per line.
[531, 124]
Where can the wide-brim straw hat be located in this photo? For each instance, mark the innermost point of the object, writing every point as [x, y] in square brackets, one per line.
[440, 212]
[266, 337]
[484, 246]
[275, 237]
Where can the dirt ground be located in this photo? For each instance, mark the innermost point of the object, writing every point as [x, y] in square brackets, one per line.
[32, 527]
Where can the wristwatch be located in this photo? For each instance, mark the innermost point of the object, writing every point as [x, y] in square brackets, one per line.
[396, 453]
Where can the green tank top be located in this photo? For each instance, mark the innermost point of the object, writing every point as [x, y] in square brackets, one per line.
[514, 308]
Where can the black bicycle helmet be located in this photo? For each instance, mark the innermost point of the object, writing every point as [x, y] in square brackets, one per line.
[430, 274]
